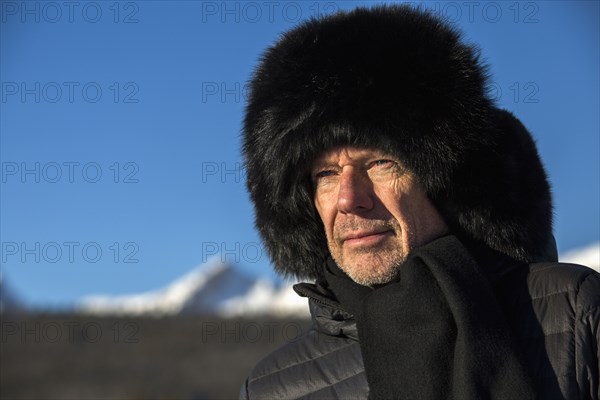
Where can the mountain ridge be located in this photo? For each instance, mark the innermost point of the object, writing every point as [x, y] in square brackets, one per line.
[215, 287]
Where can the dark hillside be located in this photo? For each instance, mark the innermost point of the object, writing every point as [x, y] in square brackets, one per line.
[83, 357]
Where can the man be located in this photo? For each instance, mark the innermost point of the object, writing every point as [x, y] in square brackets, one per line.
[380, 168]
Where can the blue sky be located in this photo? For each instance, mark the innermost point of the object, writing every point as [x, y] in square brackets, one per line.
[120, 130]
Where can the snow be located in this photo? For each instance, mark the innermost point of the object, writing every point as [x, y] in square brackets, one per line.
[212, 288]
[588, 256]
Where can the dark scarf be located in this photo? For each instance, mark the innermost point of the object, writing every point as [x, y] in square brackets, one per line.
[437, 332]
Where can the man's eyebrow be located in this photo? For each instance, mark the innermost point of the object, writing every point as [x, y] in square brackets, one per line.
[322, 164]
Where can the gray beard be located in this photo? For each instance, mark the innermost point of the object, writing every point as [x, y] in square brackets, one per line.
[383, 275]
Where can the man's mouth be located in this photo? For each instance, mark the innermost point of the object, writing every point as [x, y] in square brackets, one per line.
[363, 238]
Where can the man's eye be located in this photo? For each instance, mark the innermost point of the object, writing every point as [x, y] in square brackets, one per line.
[325, 173]
[381, 163]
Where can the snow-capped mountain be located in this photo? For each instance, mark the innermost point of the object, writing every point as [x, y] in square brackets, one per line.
[212, 288]
[588, 256]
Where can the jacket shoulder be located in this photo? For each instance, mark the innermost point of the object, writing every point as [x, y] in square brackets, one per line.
[562, 294]
[555, 314]
[579, 284]
[311, 364]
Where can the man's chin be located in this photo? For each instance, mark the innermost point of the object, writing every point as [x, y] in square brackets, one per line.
[372, 269]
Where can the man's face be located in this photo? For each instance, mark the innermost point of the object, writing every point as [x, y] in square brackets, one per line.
[374, 212]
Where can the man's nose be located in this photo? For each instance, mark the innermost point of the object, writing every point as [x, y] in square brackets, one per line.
[355, 192]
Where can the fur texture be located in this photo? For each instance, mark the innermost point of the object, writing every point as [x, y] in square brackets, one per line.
[401, 80]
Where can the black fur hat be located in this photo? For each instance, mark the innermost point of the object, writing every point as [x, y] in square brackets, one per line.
[402, 80]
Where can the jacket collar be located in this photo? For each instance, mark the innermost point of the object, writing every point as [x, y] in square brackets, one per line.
[326, 312]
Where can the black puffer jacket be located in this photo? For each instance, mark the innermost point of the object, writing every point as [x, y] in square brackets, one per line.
[553, 310]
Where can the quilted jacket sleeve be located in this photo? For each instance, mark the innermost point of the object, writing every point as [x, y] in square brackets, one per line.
[587, 337]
